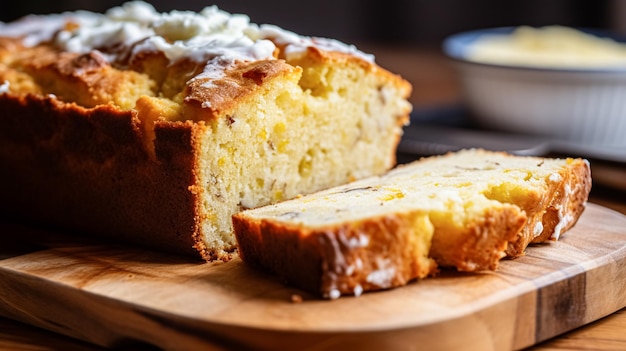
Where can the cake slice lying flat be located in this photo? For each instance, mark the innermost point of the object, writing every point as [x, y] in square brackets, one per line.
[465, 210]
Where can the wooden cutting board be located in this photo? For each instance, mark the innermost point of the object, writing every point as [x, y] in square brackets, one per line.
[116, 296]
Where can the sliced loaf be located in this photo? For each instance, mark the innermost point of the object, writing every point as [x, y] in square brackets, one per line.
[465, 210]
[144, 126]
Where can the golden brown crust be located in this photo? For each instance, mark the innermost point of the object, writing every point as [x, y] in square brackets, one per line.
[220, 96]
[87, 170]
[341, 58]
[85, 79]
[569, 201]
[7, 46]
[337, 261]
[560, 207]
[479, 245]
[316, 56]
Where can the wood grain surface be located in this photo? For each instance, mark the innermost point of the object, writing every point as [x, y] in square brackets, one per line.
[116, 296]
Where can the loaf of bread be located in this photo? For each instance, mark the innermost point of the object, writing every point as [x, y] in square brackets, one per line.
[156, 127]
[465, 210]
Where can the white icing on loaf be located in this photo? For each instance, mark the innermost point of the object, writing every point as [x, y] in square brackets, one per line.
[211, 35]
[4, 87]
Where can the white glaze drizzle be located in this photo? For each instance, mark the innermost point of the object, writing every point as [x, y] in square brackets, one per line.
[125, 31]
[564, 220]
[358, 290]
[334, 294]
[555, 177]
[4, 87]
[538, 229]
[384, 273]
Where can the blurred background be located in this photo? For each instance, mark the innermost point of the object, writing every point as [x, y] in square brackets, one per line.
[414, 22]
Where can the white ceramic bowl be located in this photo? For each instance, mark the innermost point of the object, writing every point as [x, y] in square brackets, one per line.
[584, 106]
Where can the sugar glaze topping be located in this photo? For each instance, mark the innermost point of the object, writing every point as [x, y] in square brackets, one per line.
[211, 35]
[4, 87]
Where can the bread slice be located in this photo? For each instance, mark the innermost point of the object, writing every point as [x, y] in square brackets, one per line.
[155, 128]
[465, 210]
